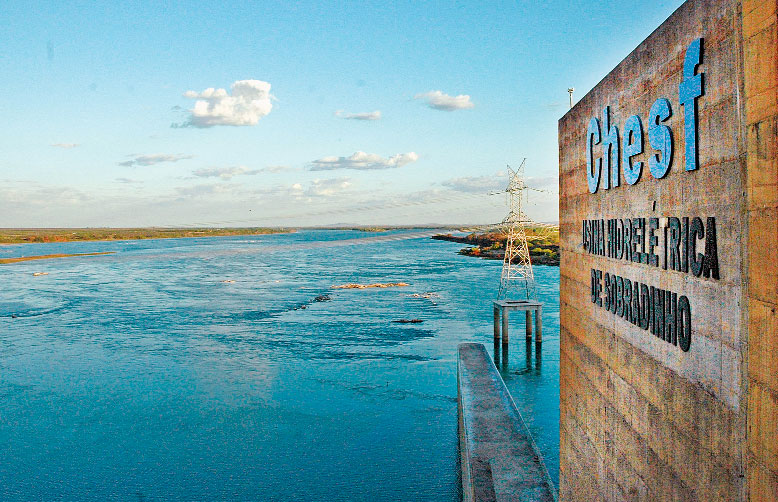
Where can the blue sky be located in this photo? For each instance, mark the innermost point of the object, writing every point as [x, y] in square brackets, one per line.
[98, 107]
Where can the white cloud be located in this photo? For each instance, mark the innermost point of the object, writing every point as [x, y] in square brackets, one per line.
[376, 115]
[441, 101]
[320, 188]
[33, 195]
[543, 182]
[128, 181]
[150, 160]
[248, 102]
[279, 169]
[476, 184]
[496, 182]
[364, 161]
[65, 145]
[329, 187]
[204, 189]
[225, 173]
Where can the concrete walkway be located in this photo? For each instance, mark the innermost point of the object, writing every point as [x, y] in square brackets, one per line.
[500, 460]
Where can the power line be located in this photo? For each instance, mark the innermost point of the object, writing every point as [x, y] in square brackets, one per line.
[462, 198]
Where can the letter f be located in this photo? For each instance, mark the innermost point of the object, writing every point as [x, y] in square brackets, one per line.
[688, 91]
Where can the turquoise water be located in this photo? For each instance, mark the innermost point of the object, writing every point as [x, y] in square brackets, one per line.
[143, 376]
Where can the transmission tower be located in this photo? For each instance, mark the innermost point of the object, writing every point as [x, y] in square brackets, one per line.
[517, 267]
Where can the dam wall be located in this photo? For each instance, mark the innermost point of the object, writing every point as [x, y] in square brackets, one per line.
[669, 280]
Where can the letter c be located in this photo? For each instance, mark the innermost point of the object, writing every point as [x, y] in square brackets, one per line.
[593, 168]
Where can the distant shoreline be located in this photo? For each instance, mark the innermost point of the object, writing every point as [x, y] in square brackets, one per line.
[6, 261]
[9, 236]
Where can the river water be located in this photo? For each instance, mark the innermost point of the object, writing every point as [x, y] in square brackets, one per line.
[143, 375]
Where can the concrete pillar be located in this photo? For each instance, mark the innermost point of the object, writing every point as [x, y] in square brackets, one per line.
[528, 323]
[496, 323]
[504, 326]
[528, 352]
[539, 325]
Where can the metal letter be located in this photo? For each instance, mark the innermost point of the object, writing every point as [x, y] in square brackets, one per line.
[653, 240]
[614, 292]
[660, 137]
[633, 145]
[652, 302]
[689, 90]
[645, 307]
[599, 288]
[637, 238]
[684, 321]
[673, 243]
[593, 168]
[610, 151]
[671, 318]
[594, 286]
[710, 266]
[627, 239]
[659, 313]
[627, 299]
[685, 245]
[696, 230]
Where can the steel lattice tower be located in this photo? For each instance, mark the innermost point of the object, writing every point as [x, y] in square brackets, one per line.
[516, 267]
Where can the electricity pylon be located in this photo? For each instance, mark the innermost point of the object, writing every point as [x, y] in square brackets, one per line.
[516, 266]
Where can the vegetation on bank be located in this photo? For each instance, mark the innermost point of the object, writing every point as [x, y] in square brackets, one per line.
[370, 229]
[27, 235]
[543, 243]
[5, 261]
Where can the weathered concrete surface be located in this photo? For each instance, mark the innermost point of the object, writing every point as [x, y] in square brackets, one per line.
[640, 420]
[499, 459]
[760, 46]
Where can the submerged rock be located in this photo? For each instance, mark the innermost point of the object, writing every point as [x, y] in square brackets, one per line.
[428, 296]
[374, 285]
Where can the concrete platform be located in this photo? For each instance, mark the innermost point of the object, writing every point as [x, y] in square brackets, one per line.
[528, 306]
[500, 461]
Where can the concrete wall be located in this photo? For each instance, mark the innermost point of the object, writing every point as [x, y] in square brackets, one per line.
[640, 418]
[760, 47]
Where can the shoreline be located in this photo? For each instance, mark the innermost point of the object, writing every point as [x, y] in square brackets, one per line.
[14, 236]
[8, 261]
[492, 247]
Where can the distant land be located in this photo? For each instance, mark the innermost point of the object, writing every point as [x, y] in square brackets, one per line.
[29, 235]
[543, 244]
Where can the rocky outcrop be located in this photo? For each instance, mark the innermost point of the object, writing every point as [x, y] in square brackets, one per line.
[492, 247]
